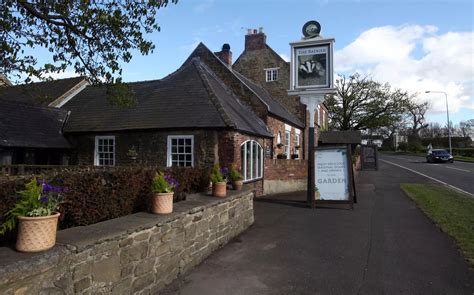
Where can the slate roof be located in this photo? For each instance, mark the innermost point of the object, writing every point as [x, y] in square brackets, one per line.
[26, 125]
[274, 107]
[41, 93]
[191, 97]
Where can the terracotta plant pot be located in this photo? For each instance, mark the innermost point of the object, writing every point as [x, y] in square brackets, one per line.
[237, 185]
[36, 234]
[162, 203]
[219, 189]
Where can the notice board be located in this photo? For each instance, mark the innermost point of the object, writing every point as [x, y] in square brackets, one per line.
[369, 157]
[333, 175]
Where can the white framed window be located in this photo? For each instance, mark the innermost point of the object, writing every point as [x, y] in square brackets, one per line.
[180, 151]
[271, 74]
[287, 144]
[297, 143]
[104, 151]
[251, 153]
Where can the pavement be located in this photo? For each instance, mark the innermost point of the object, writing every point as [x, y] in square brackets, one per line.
[384, 246]
[457, 174]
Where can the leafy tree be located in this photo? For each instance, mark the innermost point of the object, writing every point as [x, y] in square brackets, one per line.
[92, 37]
[362, 103]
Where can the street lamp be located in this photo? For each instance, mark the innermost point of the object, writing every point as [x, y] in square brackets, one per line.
[447, 114]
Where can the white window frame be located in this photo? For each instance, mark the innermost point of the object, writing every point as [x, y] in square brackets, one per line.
[288, 144]
[271, 74]
[169, 158]
[259, 164]
[96, 149]
[297, 142]
[319, 116]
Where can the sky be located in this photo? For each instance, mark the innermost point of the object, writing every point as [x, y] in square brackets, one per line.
[414, 45]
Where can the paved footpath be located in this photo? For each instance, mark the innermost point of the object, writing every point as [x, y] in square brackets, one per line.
[384, 246]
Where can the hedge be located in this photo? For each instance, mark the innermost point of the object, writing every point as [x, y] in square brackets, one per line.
[96, 195]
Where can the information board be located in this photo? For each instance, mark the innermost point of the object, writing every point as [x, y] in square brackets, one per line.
[369, 157]
[333, 174]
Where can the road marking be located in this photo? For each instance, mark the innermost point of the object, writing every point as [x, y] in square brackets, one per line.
[434, 179]
[458, 169]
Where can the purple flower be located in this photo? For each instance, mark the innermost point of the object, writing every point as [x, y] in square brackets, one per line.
[224, 170]
[44, 199]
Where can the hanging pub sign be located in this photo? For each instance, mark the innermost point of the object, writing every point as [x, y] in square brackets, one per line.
[333, 175]
[312, 61]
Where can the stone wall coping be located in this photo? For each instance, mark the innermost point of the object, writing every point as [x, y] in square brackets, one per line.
[80, 238]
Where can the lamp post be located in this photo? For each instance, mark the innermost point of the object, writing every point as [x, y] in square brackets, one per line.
[447, 115]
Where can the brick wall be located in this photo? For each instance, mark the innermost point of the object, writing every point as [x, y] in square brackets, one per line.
[276, 126]
[283, 176]
[135, 254]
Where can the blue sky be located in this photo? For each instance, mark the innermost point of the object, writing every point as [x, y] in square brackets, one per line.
[414, 45]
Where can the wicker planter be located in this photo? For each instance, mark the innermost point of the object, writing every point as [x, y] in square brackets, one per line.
[237, 185]
[36, 234]
[219, 189]
[162, 203]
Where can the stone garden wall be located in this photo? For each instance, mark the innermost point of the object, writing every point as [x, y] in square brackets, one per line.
[138, 253]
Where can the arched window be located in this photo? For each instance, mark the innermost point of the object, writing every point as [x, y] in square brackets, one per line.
[251, 153]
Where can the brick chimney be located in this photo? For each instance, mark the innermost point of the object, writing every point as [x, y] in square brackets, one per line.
[255, 40]
[225, 54]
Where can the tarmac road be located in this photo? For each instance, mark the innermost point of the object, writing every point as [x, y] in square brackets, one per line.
[386, 245]
[457, 174]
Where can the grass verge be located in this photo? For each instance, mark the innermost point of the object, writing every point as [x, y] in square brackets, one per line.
[452, 211]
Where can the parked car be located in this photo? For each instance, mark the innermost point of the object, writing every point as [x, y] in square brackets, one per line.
[439, 156]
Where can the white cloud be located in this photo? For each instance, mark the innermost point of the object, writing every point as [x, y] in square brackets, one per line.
[203, 6]
[416, 58]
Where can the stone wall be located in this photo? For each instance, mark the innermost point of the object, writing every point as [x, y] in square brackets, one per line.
[135, 254]
[282, 176]
[151, 146]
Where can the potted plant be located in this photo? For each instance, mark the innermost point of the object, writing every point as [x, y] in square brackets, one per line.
[132, 153]
[294, 156]
[280, 145]
[163, 187]
[219, 186]
[37, 215]
[236, 178]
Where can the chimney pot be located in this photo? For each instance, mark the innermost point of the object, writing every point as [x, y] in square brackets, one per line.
[255, 41]
[225, 54]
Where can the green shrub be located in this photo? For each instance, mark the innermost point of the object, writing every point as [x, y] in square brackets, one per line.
[216, 175]
[161, 185]
[234, 175]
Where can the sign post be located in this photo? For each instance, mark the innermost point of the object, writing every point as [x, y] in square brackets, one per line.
[311, 78]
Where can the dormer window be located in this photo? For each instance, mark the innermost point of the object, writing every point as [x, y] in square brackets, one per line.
[271, 74]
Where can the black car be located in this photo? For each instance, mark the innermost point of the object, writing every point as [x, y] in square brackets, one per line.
[439, 156]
